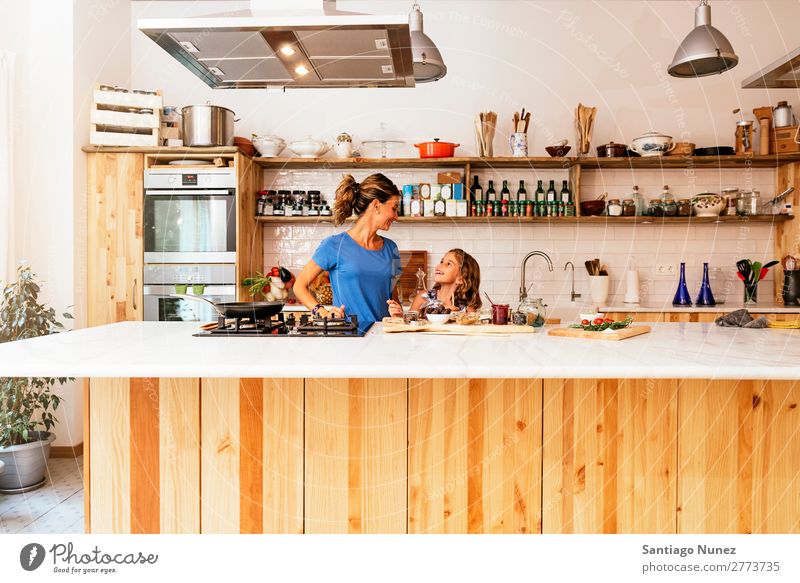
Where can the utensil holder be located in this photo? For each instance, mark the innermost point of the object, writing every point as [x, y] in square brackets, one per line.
[751, 293]
[791, 287]
[519, 145]
[599, 286]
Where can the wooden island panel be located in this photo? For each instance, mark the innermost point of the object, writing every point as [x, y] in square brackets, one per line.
[144, 467]
[355, 456]
[474, 456]
[610, 450]
[738, 457]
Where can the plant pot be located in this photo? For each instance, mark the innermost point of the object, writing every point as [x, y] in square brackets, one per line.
[198, 289]
[25, 464]
[180, 288]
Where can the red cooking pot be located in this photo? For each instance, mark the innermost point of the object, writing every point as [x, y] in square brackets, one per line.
[436, 149]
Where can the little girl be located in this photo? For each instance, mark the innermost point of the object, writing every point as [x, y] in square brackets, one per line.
[457, 282]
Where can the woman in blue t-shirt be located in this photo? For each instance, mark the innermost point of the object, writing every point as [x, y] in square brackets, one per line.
[363, 266]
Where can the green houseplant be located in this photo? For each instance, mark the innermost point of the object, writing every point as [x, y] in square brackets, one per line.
[26, 404]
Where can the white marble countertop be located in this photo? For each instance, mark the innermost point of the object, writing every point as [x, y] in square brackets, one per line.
[159, 349]
[759, 308]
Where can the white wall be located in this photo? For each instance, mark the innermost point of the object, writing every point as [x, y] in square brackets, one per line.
[503, 55]
[61, 47]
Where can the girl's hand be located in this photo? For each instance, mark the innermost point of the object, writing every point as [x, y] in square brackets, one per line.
[395, 309]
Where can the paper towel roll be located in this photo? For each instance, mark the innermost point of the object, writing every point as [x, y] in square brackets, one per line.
[632, 287]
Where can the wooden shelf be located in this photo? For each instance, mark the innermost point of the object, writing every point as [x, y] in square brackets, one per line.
[542, 163]
[683, 162]
[553, 220]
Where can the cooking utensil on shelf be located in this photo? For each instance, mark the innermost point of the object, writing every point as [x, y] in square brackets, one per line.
[253, 310]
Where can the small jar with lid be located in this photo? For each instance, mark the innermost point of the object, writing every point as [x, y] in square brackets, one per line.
[684, 207]
[655, 208]
[614, 208]
[628, 207]
[670, 207]
[730, 195]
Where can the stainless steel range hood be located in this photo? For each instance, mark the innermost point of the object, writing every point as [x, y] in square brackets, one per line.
[782, 74]
[316, 46]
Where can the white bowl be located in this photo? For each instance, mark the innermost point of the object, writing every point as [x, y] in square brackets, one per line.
[309, 147]
[708, 205]
[268, 146]
[652, 144]
[438, 318]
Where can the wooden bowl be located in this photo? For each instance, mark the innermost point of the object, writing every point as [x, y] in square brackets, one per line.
[592, 208]
[682, 149]
[558, 151]
[245, 145]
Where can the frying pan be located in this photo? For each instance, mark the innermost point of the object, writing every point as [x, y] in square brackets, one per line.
[254, 310]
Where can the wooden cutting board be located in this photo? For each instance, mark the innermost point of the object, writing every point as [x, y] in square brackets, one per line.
[456, 329]
[621, 334]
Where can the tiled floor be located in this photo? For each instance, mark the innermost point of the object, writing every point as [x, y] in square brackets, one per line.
[55, 508]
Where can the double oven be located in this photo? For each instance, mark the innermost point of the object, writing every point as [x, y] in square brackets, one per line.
[189, 241]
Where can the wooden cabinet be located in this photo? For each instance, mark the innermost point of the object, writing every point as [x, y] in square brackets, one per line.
[115, 223]
[702, 317]
[115, 241]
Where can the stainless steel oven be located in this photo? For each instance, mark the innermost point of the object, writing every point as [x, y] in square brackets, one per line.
[215, 282]
[190, 215]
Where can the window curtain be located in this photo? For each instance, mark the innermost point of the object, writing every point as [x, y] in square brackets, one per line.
[7, 264]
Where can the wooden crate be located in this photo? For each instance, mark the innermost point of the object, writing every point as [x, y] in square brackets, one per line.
[118, 119]
[782, 140]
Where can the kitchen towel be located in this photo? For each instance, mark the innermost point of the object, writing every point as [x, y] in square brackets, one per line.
[7, 268]
[741, 319]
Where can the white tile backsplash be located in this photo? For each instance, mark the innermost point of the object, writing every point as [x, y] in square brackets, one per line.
[500, 248]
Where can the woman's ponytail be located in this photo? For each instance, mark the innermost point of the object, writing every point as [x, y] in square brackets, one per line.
[345, 199]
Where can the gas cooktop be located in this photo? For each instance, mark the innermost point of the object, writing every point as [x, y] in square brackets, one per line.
[281, 326]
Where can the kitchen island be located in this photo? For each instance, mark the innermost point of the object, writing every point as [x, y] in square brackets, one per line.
[688, 429]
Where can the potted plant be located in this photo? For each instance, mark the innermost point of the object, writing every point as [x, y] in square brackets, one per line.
[26, 404]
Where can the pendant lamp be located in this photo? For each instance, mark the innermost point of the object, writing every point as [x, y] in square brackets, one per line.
[705, 50]
[428, 63]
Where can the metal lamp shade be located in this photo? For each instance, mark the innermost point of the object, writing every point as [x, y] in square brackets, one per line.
[428, 63]
[704, 51]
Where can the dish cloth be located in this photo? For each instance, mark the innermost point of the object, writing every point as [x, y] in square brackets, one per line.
[741, 319]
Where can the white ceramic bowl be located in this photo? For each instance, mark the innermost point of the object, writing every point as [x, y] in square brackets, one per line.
[268, 146]
[309, 147]
[708, 205]
[438, 318]
[652, 144]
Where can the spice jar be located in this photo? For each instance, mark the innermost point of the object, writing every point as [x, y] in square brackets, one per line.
[684, 207]
[531, 312]
[730, 195]
[614, 208]
[748, 202]
[628, 207]
[670, 208]
[655, 208]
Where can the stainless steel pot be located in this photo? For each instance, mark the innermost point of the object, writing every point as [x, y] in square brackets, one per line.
[207, 125]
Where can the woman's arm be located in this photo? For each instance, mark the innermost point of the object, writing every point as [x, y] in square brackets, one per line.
[307, 275]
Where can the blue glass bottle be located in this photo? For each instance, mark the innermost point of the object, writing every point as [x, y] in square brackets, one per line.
[705, 297]
[682, 297]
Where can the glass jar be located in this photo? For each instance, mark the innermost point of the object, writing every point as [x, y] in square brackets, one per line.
[730, 195]
[670, 207]
[655, 208]
[614, 208]
[748, 202]
[534, 312]
[628, 207]
[684, 207]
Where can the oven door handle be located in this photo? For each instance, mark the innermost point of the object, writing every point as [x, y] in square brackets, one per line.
[179, 192]
[210, 290]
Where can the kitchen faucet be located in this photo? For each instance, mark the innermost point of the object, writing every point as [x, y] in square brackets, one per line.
[572, 294]
[523, 291]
